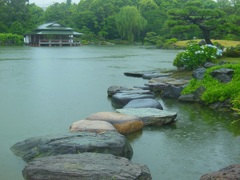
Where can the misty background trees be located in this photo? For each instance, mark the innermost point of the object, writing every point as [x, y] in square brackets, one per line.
[131, 20]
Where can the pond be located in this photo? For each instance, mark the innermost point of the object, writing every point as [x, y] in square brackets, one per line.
[45, 89]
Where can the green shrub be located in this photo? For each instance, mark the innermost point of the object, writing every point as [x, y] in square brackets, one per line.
[170, 43]
[159, 44]
[11, 39]
[232, 51]
[195, 56]
[215, 90]
[152, 39]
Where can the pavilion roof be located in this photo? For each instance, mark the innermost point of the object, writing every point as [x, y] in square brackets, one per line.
[55, 28]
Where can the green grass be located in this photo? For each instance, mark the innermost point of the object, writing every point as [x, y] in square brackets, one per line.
[225, 43]
[215, 90]
[228, 59]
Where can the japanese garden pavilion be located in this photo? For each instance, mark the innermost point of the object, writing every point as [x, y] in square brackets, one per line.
[53, 34]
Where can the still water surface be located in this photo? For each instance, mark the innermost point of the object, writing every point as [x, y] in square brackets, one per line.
[44, 89]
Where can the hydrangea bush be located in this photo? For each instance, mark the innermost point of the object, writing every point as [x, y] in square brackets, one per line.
[196, 55]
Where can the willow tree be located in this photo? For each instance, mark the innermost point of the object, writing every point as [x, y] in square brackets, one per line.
[130, 22]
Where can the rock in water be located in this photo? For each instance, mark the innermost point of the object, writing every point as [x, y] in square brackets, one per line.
[151, 116]
[110, 142]
[85, 166]
[121, 99]
[144, 103]
[124, 124]
[115, 89]
[91, 126]
[231, 172]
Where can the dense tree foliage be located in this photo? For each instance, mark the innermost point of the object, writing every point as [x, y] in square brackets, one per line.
[104, 19]
[200, 13]
[130, 22]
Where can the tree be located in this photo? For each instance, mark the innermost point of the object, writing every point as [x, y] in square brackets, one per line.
[200, 13]
[130, 22]
[101, 20]
[17, 11]
[35, 17]
[62, 13]
[147, 5]
[16, 28]
[3, 16]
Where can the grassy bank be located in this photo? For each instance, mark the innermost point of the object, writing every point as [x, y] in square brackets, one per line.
[225, 43]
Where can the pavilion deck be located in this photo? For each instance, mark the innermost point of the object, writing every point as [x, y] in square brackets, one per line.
[56, 42]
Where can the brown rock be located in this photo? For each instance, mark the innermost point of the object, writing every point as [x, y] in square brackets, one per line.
[124, 124]
[231, 172]
[91, 126]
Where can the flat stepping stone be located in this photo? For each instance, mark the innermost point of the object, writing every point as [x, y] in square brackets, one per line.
[121, 99]
[109, 142]
[141, 87]
[85, 166]
[144, 103]
[161, 80]
[168, 80]
[155, 75]
[151, 116]
[91, 126]
[125, 124]
[137, 73]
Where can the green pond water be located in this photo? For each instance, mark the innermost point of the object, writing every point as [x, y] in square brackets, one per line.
[43, 90]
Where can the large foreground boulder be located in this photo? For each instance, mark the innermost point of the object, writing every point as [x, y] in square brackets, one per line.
[151, 116]
[144, 103]
[125, 124]
[85, 166]
[91, 126]
[109, 142]
[231, 172]
[122, 98]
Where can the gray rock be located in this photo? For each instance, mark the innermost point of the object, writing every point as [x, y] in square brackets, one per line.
[115, 89]
[85, 166]
[221, 105]
[167, 87]
[231, 172]
[109, 142]
[193, 97]
[151, 116]
[199, 73]
[135, 74]
[144, 103]
[202, 42]
[162, 80]
[223, 75]
[157, 87]
[171, 91]
[141, 87]
[121, 99]
[209, 64]
[136, 91]
[155, 75]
